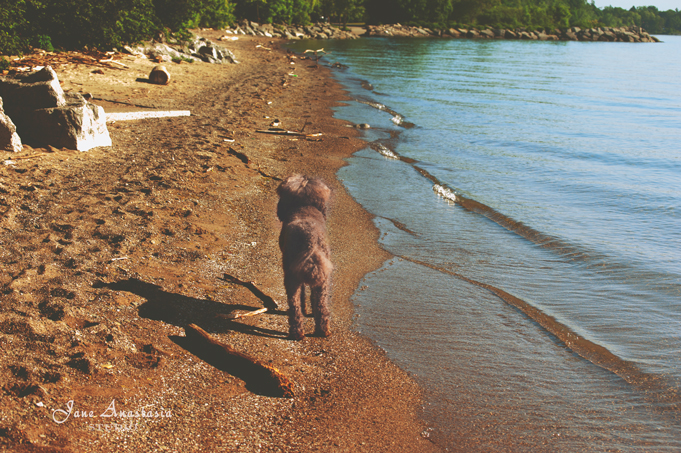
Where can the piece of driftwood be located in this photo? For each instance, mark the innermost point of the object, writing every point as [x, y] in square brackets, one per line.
[111, 60]
[218, 354]
[278, 131]
[242, 315]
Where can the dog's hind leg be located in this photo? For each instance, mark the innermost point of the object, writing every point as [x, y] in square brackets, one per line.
[320, 309]
[295, 314]
[303, 299]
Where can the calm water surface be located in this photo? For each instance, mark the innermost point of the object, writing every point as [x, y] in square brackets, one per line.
[531, 195]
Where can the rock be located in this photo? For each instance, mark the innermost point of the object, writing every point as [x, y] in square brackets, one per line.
[138, 51]
[209, 51]
[9, 139]
[486, 33]
[159, 76]
[607, 36]
[26, 93]
[78, 125]
[229, 56]
[508, 34]
[162, 52]
[45, 116]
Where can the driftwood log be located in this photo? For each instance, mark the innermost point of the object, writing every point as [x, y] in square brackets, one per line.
[259, 376]
[159, 76]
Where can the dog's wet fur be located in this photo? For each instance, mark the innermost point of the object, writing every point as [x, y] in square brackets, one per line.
[305, 250]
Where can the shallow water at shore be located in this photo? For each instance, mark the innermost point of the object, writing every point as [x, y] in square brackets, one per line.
[533, 210]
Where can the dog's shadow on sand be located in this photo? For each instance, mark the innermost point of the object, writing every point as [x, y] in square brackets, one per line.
[181, 310]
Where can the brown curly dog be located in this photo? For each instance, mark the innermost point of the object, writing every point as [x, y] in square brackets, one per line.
[305, 251]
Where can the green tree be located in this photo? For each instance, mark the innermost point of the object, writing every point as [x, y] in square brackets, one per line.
[12, 27]
[341, 11]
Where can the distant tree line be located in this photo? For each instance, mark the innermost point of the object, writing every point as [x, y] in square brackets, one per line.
[519, 13]
[74, 24]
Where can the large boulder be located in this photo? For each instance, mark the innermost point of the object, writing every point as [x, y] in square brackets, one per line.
[26, 93]
[77, 125]
[9, 139]
[486, 33]
[45, 116]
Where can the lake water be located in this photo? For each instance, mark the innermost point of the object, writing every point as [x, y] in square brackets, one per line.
[531, 195]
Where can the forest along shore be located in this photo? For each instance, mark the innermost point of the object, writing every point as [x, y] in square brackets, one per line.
[107, 255]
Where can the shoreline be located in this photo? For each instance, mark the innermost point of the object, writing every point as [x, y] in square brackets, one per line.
[323, 31]
[114, 250]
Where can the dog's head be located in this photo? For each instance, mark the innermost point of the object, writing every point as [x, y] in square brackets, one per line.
[298, 191]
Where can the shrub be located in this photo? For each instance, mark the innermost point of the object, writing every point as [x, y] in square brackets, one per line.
[74, 24]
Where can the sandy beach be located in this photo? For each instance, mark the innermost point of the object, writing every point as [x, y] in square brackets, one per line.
[106, 256]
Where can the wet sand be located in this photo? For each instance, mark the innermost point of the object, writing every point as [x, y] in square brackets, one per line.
[107, 255]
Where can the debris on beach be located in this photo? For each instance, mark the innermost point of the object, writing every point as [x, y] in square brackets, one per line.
[262, 377]
[244, 314]
[159, 75]
[279, 131]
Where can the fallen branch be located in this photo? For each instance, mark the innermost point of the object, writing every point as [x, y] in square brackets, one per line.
[277, 131]
[111, 60]
[123, 102]
[220, 354]
[242, 315]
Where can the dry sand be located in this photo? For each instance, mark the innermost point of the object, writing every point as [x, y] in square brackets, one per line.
[106, 255]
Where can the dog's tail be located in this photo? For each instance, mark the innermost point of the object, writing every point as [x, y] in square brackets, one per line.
[306, 256]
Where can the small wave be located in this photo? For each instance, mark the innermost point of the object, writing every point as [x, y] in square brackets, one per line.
[445, 192]
[396, 117]
[386, 152]
[366, 85]
[376, 105]
[400, 225]
[655, 386]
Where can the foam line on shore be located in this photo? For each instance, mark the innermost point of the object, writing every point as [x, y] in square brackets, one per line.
[449, 194]
[397, 118]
